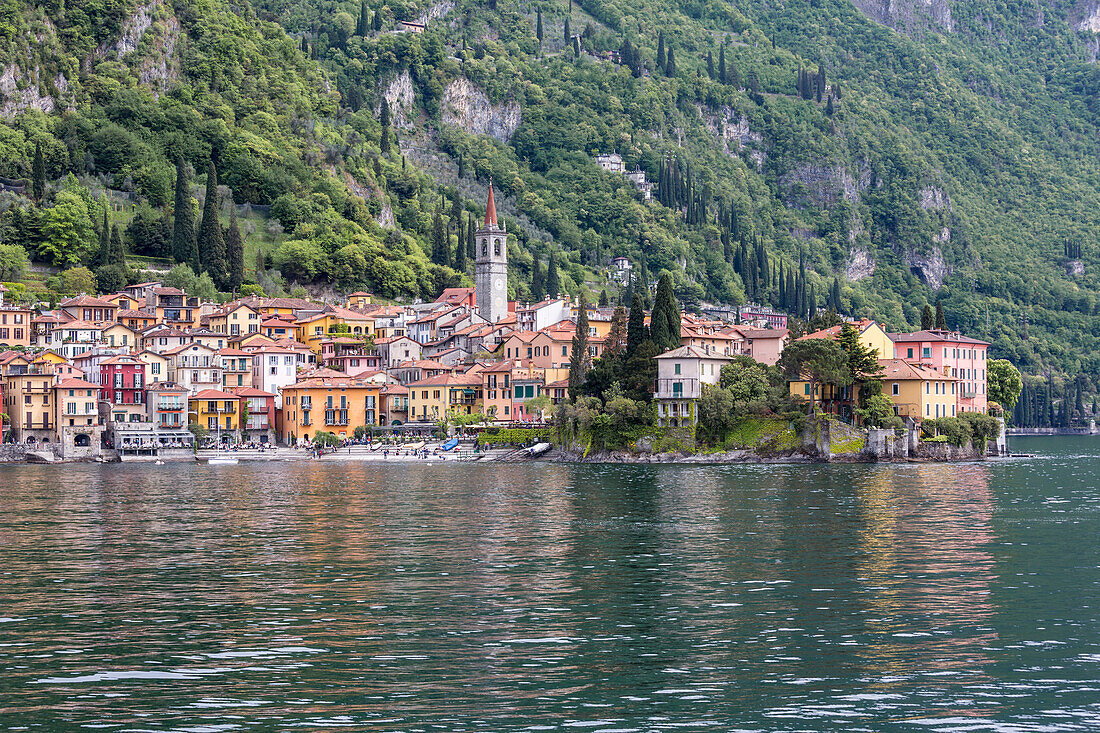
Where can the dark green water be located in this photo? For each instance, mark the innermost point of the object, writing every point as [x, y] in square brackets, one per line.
[553, 597]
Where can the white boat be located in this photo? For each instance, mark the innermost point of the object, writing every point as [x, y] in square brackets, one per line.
[223, 461]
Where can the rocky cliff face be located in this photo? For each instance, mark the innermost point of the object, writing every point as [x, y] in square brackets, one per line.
[400, 96]
[909, 16]
[466, 106]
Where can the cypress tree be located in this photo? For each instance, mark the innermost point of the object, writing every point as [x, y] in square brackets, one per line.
[440, 254]
[211, 237]
[834, 295]
[927, 320]
[471, 240]
[234, 249]
[602, 302]
[538, 27]
[567, 33]
[661, 50]
[378, 20]
[664, 322]
[670, 63]
[363, 25]
[722, 76]
[941, 321]
[538, 281]
[103, 257]
[183, 224]
[553, 280]
[636, 332]
[38, 173]
[616, 336]
[829, 106]
[384, 119]
[580, 361]
[118, 252]
[460, 249]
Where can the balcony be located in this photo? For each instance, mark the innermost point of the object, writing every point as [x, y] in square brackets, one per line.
[677, 388]
[170, 406]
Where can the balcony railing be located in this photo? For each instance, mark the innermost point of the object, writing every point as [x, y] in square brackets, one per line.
[676, 388]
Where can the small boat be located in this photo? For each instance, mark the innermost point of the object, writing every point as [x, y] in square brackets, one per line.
[538, 449]
[223, 461]
[450, 444]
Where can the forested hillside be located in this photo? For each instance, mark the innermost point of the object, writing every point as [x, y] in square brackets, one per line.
[804, 153]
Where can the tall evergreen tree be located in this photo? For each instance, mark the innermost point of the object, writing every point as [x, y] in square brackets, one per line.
[538, 281]
[362, 27]
[38, 173]
[603, 298]
[183, 223]
[636, 331]
[234, 248]
[471, 239]
[670, 63]
[722, 75]
[440, 249]
[384, 119]
[616, 336]
[927, 319]
[460, 249]
[553, 280]
[538, 27]
[378, 20]
[941, 321]
[661, 51]
[103, 257]
[118, 252]
[664, 322]
[211, 237]
[580, 361]
[567, 32]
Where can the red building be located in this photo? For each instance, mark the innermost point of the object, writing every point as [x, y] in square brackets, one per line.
[122, 382]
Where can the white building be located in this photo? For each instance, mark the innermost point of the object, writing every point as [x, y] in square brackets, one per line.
[681, 374]
[274, 367]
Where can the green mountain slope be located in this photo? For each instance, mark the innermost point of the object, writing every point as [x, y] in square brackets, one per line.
[954, 158]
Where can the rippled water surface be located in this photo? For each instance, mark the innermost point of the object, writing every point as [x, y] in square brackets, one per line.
[553, 597]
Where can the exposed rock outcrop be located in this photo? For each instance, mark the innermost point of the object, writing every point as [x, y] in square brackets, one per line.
[909, 16]
[860, 264]
[400, 96]
[821, 184]
[17, 100]
[930, 267]
[466, 106]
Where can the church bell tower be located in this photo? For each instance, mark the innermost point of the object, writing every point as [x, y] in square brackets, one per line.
[491, 265]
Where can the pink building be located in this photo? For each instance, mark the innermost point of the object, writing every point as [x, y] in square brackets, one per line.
[952, 354]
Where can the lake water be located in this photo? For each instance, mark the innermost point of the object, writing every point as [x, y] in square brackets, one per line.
[548, 597]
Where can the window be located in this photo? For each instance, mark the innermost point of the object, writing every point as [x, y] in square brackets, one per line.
[677, 368]
[806, 388]
[564, 351]
[896, 389]
[910, 354]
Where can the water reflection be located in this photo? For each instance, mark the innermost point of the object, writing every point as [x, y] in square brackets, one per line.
[504, 597]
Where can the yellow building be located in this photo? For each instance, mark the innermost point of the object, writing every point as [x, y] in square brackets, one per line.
[312, 330]
[432, 398]
[359, 299]
[919, 391]
[235, 319]
[871, 335]
[334, 404]
[217, 411]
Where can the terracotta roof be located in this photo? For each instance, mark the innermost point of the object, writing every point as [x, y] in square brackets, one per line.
[834, 331]
[900, 370]
[213, 394]
[689, 352]
[232, 352]
[446, 380]
[953, 337]
[249, 392]
[131, 313]
[75, 384]
[87, 301]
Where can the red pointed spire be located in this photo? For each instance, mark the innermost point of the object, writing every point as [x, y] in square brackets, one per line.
[490, 209]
